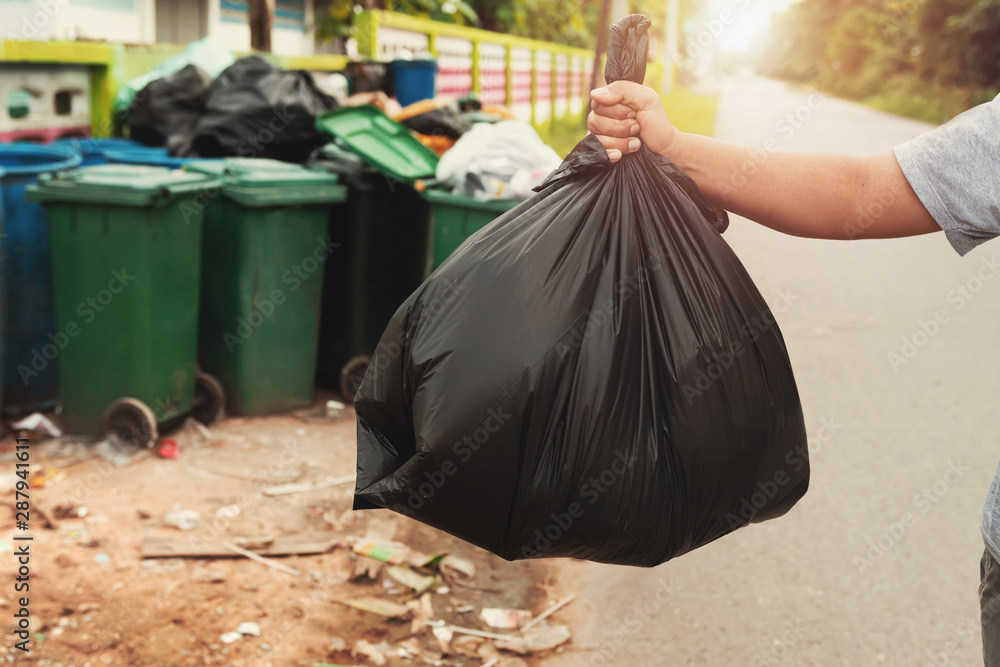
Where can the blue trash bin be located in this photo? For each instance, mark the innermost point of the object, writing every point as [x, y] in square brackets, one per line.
[92, 150]
[30, 356]
[3, 253]
[414, 80]
[152, 157]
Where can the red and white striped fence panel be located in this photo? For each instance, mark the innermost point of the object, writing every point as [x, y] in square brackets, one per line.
[576, 86]
[562, 85]
[454, 78]
[520, 66]
[492, 73]
[543, 86]
[393, 41]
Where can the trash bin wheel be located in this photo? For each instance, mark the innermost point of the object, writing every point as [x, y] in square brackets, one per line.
[132, 421]
[209, 399]
[351, 375]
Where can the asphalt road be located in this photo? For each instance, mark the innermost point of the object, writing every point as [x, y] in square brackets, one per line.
[879, 563]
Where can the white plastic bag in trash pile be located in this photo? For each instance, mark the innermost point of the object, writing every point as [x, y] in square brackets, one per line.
[504, 160]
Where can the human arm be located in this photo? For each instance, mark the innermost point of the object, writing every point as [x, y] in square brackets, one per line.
[803, 194]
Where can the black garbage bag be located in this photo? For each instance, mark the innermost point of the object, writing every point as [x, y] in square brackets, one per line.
[593, 374]
[166, 111]
[435, 117]
[256, 109]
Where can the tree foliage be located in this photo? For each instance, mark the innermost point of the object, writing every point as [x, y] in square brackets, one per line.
[566, 22]
[944, 55]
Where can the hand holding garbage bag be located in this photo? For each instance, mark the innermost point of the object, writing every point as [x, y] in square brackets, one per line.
[592, 375]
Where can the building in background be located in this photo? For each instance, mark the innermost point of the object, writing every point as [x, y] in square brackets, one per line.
[156, 21]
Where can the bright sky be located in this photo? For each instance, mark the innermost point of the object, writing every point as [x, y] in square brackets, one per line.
[749, 20]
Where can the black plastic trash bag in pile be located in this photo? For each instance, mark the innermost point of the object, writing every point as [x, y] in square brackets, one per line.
[256, 109]
[592, 375]
[166, 111]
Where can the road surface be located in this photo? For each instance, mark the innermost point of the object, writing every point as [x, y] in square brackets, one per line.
[894, 349]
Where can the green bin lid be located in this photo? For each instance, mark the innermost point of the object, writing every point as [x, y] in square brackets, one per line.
[119, 185]
[444, 198]
[260, 182]
[381, 142]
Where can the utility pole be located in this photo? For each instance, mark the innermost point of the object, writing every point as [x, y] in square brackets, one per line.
[259, 16]
[602, 43]
[669, 47]
[619, 8]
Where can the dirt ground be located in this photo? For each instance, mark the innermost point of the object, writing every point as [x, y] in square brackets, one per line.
[94, 599]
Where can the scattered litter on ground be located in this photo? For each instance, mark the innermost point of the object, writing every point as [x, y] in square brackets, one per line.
[169, 449]
[404, 575]
[301, 487]
[37, 425]
[46, 478]
[228, 511]
[366, 568]
[504, 619]
[48, 518]
[182, 519]
[116, 451]
[467, 645]
[163, 565]
[284, 545]
[74, 533]
[374, 653]
[393, 571]
[260, 559]
[548, 612]
[200, 575]
[457, 569]
[69, 511]
[444, 636]
[386, 608]
[331, 411]
[540, 638]
[394, 553]
[249, 628]
[472, 631]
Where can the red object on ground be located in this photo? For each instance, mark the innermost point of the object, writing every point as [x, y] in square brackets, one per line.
[169, 449]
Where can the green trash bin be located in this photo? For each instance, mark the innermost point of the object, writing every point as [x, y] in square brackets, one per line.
[378, 286]
[383, 231]
[266, 249]
[391, 148]
[126, 265]
[457, 217]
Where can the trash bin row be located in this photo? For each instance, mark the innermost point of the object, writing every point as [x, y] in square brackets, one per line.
[296, 270]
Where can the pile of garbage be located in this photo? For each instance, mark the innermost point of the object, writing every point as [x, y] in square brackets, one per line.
[203, 103]
[208, 105]
[414, 579]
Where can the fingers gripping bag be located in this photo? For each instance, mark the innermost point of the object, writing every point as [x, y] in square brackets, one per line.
[592, 375]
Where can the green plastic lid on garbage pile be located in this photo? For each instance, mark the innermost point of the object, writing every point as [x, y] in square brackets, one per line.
[383, 143]
[119, 185]
[261, 182]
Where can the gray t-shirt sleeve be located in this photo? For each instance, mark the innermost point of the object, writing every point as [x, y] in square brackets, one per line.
[955, 171]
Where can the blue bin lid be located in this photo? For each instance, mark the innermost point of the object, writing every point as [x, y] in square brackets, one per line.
[33, 159]
[422, 63]
[91, 146]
